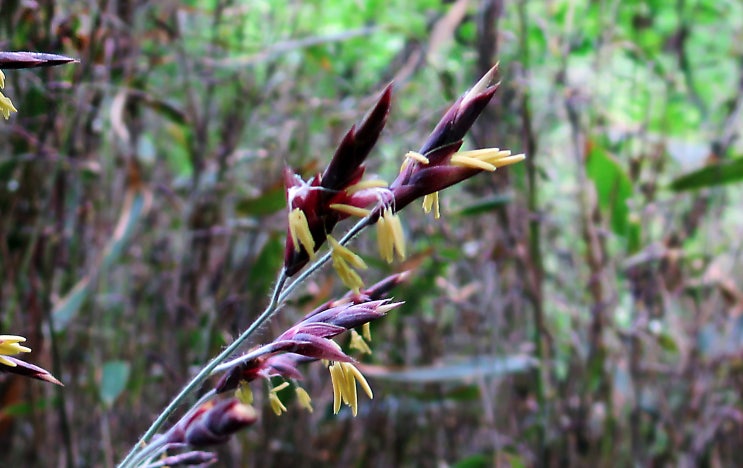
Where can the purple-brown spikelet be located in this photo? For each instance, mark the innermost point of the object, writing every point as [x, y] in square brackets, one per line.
[17, 60]
[28, 370]
[308, 340]
[418, 179]
[315, 197]
[212, 423]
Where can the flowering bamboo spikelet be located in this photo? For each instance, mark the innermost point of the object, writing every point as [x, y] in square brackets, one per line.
[308, 340]
[325, 198]
[9, 345]
[438, 165]
[314, 208]
[212, 423]
[339, 192]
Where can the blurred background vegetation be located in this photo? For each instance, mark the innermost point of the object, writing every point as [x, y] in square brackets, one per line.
[141, 225]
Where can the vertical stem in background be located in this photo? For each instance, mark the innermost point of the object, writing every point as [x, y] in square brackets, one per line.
[595, 386]
[535, 250]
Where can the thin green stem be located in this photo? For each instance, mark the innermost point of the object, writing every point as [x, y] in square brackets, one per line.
[206, 372]
[280, 294]
[353, 232]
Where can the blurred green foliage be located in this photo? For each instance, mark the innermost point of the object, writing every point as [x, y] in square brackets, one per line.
[612, 258]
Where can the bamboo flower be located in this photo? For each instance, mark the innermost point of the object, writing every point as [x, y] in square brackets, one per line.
[9, 345]
[439, 163]
[337, 193]
[344, 377]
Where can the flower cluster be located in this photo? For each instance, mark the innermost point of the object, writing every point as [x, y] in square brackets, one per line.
[314, 209]
[311, 340]
[438, 164]
[9, 346]
[207, 424]
[316, 206]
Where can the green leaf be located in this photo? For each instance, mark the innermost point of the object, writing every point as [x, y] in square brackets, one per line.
[667, 342]
[712, 175]
[614, 189]
[114, 377]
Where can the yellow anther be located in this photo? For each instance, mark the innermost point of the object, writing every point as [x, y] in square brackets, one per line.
[303, 398]
[432, 201]
[390, 236]
[6, 106]
[9, 346]
[344, 377]
[384, 240]
[7, 362]
[351, 398]
[300, 233]
[360, 379]
[350, 210]
[365, 184]
[398, 235]
[336, 377]
[358, 343]
[509, 160]
[343, 261]
[244, 393]
[472, 163]
[414, 155]
[276, 405]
